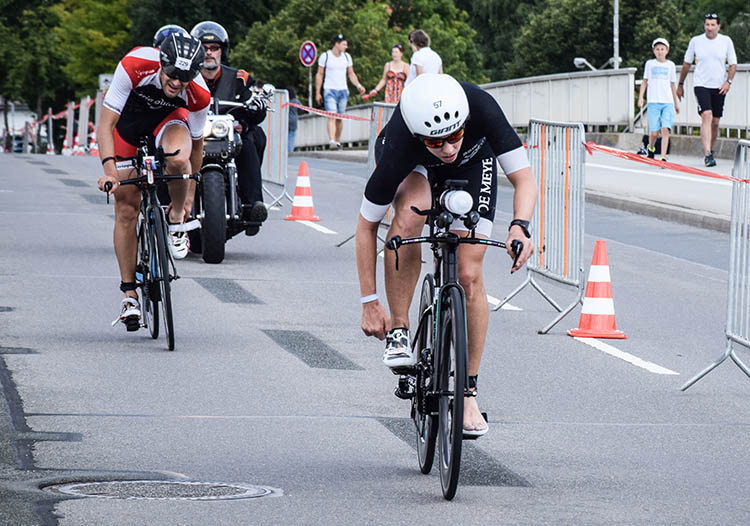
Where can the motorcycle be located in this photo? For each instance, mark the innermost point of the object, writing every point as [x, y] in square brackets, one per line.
[217, 203]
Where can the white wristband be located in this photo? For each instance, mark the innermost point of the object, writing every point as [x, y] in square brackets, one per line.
[368, 299]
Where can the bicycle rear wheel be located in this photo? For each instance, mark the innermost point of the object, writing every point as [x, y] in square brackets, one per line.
[451, 376]
[144, 275]
[424, 420]
[161, 275]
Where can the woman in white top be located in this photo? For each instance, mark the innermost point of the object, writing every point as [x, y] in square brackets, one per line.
[424, 59]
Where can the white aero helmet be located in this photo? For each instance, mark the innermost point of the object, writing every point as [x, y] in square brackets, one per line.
[434, 105]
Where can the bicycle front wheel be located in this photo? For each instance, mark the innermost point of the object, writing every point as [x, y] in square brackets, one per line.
[451, 364]
[424, 419]
[162, 268]
[145, 276]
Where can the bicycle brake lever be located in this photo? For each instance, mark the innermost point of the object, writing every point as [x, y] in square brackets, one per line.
[393, 244]
[420, 212]
[107, 188]
[517, 247]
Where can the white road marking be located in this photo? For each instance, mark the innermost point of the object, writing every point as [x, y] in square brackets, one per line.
[6, 191]
[495, 302]
[622, 355]
[694, 178]
[316, 226]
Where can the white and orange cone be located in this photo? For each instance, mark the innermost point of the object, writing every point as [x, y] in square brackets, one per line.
[302, 205]
[598, 313]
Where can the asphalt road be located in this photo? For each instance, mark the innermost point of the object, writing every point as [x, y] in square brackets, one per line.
[273, 384]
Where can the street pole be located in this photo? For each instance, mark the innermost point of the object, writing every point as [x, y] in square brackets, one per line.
[616, 35]
[309, 87]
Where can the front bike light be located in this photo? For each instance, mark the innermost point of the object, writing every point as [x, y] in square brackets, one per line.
[458, 202]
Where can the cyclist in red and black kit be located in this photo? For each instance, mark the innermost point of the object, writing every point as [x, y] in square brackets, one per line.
[157, 93]
[441, 129]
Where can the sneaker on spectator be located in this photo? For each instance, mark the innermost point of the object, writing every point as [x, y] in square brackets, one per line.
[642, 150]
[709, 159]
[651, 152]
[397, 350]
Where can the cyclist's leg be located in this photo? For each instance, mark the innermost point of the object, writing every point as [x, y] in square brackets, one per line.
[173, 134]
[470, 276]
[127, 205]
[400, 285]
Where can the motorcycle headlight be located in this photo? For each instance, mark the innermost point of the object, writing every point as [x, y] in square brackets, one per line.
[220, 129]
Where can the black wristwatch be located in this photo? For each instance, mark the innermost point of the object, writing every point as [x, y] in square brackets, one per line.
[523, 224]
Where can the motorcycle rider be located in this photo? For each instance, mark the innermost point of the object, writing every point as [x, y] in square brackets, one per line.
[227, 83]
[164, 31]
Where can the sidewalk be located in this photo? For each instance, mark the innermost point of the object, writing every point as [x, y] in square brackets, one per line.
[636, 187]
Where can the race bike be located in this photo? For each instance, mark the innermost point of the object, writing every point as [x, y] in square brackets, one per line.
[217, 205]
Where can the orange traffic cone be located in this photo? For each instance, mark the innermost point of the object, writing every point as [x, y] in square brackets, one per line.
[598, 313]
[302, 205]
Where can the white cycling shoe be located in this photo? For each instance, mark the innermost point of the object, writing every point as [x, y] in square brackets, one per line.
[397, 349]
[179, 245]
[130, 314]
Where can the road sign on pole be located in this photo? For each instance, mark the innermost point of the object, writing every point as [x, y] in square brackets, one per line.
[307, 55]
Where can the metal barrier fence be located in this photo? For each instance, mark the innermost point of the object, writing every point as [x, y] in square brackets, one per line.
[380, 115]
[557, 156]
[276, 156]
[738, 297]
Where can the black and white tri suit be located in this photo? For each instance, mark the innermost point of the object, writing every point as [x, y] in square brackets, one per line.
[488, 137]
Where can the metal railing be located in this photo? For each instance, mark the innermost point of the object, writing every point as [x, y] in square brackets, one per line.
[738, 296]
[557, 155]
[380, 115]
[276, 156]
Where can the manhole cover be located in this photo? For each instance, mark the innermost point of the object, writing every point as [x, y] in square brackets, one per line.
[163, 490]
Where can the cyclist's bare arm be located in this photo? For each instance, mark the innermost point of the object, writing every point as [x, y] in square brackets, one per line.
[375, 319]
[524, 200]
[105, 136]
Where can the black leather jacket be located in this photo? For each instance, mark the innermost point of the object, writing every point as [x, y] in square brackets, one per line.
[234, 85]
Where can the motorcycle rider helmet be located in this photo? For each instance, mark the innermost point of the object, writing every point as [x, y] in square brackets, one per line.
[211, 32]
[434, 105]
[182, 57]
[164, 31]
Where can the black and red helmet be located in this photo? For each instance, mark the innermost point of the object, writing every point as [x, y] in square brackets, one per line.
[182, 57]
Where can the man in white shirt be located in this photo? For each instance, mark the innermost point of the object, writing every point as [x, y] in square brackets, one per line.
[335, 65]
[424, 59]
[711, 82]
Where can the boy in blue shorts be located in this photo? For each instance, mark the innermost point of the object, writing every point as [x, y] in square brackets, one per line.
[659, 86]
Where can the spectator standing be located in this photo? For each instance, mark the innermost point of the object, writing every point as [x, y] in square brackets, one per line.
[293, 116]
[394, 76]
[424, 59]
[711, 52]
[333, 68]
[659, 79]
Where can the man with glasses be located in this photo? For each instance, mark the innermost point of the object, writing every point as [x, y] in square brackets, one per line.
[227, 83]
[441, 129]
[157, 93]
[711, 82]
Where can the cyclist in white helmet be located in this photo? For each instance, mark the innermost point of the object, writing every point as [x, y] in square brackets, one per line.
[441, 129]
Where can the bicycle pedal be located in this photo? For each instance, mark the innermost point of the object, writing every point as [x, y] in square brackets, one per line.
[403, 395]
[132, 324]
[409, 370]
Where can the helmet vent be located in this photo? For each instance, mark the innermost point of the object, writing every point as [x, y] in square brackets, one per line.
[447, 116]
[437, 119]
[456, 115]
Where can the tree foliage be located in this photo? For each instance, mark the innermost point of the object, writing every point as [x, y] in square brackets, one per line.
[270, 50]
[93, 36]
[236, 16]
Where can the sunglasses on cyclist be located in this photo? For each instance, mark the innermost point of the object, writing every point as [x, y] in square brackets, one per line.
[438, 142]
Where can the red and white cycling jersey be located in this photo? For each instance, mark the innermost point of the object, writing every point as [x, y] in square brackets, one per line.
[136, 94]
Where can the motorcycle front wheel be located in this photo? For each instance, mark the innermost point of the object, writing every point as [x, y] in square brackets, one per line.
[214, 224]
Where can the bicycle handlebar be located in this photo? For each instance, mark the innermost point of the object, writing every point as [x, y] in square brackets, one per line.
[396, 241]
